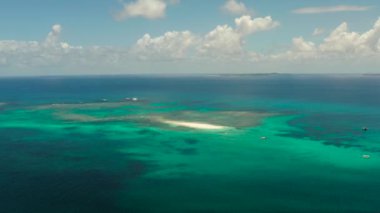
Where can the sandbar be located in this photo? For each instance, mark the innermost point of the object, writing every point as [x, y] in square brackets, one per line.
[194, 125]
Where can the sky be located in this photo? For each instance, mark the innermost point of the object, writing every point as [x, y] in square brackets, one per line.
[56, 37]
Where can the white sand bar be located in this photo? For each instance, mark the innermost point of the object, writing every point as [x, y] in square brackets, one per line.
[194, 125]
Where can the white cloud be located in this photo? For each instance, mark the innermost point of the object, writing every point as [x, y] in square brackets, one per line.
[52, 53]
[149, 9]
[342, 40]
[30, 53]
[318, 31]
[172, 45]
[222, 41]
[246, 25]
[221, 49]
[53, 36]
[341, 44]
[303, 46]
[235, 8]
[331, 9]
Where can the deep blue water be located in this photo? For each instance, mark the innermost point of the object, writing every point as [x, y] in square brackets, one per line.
[357, 90]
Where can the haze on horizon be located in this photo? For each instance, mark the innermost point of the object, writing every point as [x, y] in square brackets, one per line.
[41, 37]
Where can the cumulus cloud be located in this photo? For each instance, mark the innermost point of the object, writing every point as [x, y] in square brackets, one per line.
[341, 43]
[30, 53]
[172, 45]
[225, 41]
[222, 41]
[217, 48]
[342, 40]
[332, 9]
[235, 8]
[149, 9]
[53, 36]
[301, 45]
[246, 25]
[53, 53]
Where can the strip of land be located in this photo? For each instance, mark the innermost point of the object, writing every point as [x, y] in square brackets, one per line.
[194, 125]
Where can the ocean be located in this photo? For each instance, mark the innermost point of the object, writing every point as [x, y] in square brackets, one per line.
[218, 143]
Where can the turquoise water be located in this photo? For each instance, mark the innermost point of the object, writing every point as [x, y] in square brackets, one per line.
[64, 148]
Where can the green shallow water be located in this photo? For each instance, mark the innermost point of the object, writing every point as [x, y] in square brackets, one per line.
[117, 157]
[139, 166]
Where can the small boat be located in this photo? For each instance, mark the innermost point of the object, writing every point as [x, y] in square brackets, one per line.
[131, 99]
[366, 156]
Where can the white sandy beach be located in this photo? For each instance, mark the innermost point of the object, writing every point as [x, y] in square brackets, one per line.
[194, 125]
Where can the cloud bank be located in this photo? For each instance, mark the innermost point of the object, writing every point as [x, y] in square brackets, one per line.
[341, 43]
[219, 50]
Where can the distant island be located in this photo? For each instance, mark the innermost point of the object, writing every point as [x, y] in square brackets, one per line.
[247, 74]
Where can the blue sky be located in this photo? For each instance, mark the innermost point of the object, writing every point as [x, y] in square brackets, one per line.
[268, 39]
